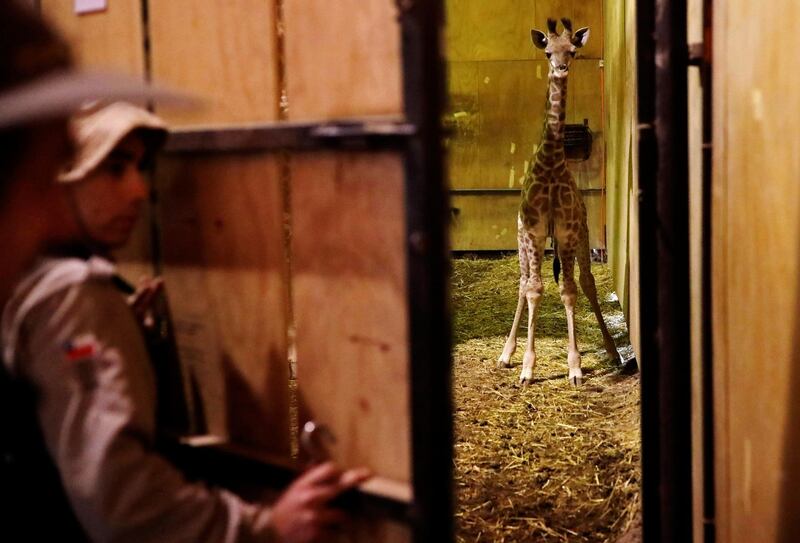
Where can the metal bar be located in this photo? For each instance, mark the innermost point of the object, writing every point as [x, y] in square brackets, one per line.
[486, 191]
[356, 135]
[231, 467]
[664, 275]
[427, 217]
[709, 486]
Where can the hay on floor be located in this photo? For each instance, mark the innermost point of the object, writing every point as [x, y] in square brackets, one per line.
[546, 462]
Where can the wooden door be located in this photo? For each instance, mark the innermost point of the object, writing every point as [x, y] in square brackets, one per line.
[307, 194]
[756, 265]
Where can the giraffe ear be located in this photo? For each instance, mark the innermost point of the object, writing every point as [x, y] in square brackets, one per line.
[580, 37]
[539, 39]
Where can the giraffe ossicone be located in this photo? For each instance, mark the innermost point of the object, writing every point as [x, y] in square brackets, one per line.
[552, 206]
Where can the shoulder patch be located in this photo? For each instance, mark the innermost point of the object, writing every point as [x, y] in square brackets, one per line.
[79, 348]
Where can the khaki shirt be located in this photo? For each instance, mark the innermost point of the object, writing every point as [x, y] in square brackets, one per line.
[69, 332]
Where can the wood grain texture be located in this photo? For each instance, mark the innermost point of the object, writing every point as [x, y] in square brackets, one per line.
[224, 52]
[497, 112]
[226, 277]
[350, 306]
[501, 30]
[756, 265]
[342, 62]
[111, 40]
[488, 222]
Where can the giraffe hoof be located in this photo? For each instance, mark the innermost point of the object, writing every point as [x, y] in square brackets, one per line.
[503, 363]
[526, 381]
[612, 354]
[575, 377]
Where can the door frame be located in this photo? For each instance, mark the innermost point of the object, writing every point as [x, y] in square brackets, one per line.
[664, 272]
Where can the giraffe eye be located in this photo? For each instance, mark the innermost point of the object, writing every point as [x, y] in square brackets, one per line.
[548, 54]
[572, 53]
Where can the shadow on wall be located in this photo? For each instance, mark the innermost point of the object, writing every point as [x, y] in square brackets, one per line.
[789, 505]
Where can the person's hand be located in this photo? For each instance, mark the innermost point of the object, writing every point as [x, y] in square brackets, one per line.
[302, 513]
[141, 301]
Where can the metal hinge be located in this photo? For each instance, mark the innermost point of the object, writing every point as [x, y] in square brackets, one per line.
[696, 54]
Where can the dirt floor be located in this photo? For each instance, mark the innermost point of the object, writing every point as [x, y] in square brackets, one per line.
[546, 462]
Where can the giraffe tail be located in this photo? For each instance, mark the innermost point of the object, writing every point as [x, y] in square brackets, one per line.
[556, 262]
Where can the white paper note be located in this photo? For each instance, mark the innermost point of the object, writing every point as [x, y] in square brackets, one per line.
[90, 6]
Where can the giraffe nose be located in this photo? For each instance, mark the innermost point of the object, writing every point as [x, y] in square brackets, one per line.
[562, 67]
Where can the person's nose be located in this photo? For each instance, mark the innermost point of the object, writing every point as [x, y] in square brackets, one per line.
[138, 189]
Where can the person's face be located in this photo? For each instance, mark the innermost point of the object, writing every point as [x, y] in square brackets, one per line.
[109, 200]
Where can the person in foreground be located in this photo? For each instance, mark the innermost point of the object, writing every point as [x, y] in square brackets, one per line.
[71, 336]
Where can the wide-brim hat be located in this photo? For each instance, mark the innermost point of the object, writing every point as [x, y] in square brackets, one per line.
[38, 81]
[98, 128]
[60, 94]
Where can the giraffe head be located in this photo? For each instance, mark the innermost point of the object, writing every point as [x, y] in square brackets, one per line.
[560, 49]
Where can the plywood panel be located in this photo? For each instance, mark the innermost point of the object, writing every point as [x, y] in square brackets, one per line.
[350, 306]
[756, 265]
[224, 52]
[343, 59]
[482, 222]
[479, 30]
[112, 39]
[512, 108]
[584, 102]
[501, 30]
[497, 115]
[349, 293]
[619, 87]
[462, 121]
[225, 271]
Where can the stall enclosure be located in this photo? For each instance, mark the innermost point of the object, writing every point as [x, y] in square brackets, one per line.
[322, 120]
[497, 84]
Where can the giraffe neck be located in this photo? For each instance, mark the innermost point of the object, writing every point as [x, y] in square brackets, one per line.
[550, 153]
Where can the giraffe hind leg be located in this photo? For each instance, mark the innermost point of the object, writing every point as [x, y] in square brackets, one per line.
[590, 290]
[569, 296]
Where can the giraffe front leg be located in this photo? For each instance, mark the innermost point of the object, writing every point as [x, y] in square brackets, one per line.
[511, 341]
[569, 296]
[533, 294]
[524, 245]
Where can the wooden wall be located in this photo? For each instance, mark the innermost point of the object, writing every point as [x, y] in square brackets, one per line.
[221, 220]
[756, 271]
[497, 90]
[622, 227]
[223, 51]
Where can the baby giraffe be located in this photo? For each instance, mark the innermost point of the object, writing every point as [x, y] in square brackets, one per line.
[552, 206]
